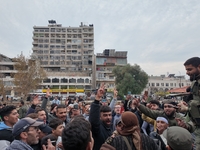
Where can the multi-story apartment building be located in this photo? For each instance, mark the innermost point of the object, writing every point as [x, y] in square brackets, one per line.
[163, 83]
[67, 55]
[105, 62]
[6, 74]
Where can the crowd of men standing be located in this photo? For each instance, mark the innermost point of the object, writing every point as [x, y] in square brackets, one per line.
[133, 124]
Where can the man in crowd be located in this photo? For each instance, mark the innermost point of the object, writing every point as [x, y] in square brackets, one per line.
[22, 110]
[56, 101]
[192, 67]
[26, 133]
[9, 116]
[174, 118]
[161, 126]
[100, 119]
[61, 113]
[77, 135]
[41, 115]
[178, 138]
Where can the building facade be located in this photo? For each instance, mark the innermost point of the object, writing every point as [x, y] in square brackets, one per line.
[165, 83]
[6, 75]
[105, 62]
[67, 55]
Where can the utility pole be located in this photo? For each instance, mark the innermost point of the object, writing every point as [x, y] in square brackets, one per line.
[180, 79]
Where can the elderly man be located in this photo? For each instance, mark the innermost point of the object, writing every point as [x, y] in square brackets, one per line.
[26, 133]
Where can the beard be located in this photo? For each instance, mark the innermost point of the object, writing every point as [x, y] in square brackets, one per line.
[195, 77]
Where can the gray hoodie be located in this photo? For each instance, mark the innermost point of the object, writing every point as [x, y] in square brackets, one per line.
[19, 145]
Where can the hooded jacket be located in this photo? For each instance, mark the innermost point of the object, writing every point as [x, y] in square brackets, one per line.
[19, 145]
[5, 136]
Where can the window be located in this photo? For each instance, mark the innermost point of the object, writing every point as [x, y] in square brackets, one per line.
[171, 84]
[72, 80]
[47, 81]
[157, 84]
[63, 80]
[80, 80]
[166, 84]
[55, 80]
[152, 84]
[162, 84]
[87, 80]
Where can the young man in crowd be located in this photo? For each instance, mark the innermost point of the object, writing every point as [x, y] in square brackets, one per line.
[9, 116]
[174, 118]
[22, 110]
[61, 113]
[100, 119]
[57, 128]
[56, 101]
[192, 67]
[77, 135]
[41, 115]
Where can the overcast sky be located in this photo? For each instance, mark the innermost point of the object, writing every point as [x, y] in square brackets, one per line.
[159, 35]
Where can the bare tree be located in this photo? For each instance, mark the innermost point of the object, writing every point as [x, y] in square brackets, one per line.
[29, 75]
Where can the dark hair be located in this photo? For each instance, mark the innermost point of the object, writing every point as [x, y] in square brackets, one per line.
[5, 111]
[54, 123]
[22, 102]
[53, 106]
[105, 109]
[39, 109]
[60, 106]
[76, 134]
[33, 115]
[194, 61]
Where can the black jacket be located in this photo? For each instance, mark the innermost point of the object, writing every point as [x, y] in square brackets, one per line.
[99, 130]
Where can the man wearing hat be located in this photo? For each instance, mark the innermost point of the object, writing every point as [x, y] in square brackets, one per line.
[174, 118]
[178, 138]
[26, 133]
[130, 137]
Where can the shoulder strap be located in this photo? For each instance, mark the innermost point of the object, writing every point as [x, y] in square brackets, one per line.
[127, 143]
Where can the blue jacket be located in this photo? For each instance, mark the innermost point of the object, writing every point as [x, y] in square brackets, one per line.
[5, 136]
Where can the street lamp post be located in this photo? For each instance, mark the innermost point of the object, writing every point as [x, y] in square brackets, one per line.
[180, 79]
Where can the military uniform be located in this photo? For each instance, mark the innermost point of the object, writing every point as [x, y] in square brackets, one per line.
[194, 110]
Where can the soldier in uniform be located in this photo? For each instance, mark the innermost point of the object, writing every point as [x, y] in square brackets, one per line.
[192, 67]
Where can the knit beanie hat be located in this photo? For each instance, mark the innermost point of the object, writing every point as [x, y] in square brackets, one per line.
[129, 119]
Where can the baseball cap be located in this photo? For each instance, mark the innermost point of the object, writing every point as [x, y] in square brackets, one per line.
[178, 138]
[45, 128]
[23, 124]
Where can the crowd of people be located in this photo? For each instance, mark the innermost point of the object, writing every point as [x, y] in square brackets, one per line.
[133, 124]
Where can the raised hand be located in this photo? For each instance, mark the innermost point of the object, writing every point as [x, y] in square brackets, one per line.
[183, 106]
[115, 93]
[48, 93]
[136, 102]
[181, 123]
[49, 146]
[100, 92]
[36, 100]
